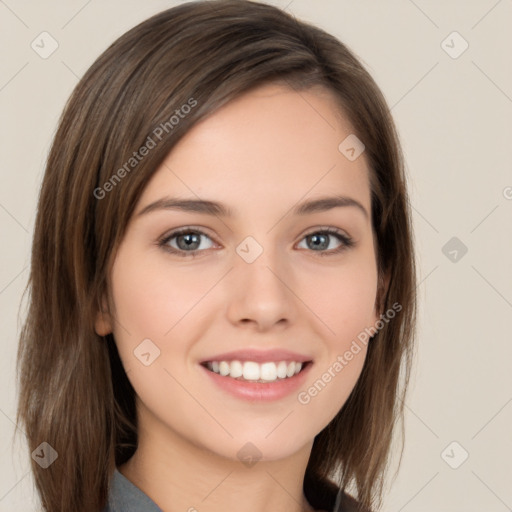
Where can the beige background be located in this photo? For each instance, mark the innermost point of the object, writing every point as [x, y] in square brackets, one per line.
[455, 119]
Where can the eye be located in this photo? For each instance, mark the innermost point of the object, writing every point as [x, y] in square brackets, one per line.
[188, 241]
[184, 242]
[320, 241]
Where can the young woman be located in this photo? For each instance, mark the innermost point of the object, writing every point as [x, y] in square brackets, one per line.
[222, 290]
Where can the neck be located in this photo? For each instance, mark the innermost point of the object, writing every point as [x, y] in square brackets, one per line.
[178, 476]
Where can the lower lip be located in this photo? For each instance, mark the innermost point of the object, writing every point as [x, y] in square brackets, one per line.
[259, 391]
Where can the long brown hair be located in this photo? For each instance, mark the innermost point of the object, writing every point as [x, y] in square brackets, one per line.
[73, 391]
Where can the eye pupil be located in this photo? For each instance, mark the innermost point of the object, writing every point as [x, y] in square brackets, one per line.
[190, 240]
[315, 239]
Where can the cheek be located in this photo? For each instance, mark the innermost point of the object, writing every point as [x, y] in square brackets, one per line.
[151, 298]
[330, 387]
[344, 304]
[343, 299]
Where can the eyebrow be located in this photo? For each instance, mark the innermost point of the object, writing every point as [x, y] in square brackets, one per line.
[206, 207]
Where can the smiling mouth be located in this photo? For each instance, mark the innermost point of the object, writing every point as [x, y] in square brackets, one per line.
[250, 371]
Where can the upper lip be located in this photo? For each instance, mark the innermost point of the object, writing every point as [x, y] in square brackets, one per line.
[258, 356]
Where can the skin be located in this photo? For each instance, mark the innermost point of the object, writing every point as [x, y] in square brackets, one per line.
[260, 155]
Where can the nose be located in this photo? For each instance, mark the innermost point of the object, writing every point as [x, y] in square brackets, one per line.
[261, 294]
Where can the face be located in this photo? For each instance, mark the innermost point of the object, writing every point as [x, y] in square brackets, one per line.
[260, 276]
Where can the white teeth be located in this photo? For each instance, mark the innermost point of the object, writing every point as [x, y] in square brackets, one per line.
[224, 368]
[252, 371]
[281, 369]
[268, 371]
[236, 369]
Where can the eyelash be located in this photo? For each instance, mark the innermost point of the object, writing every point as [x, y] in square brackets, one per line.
[346, 241]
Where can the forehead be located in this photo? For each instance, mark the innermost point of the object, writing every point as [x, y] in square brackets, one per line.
[272, 144]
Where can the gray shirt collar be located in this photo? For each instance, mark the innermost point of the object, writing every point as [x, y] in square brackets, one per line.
[124, 496]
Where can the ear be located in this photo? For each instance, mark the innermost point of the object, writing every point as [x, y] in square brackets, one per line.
[103, 323]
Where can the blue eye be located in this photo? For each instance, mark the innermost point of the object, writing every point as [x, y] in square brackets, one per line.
[187, 241]
[320, 239]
